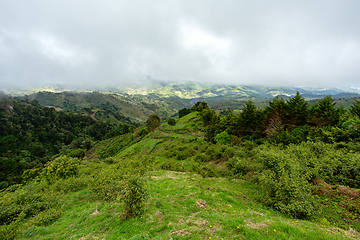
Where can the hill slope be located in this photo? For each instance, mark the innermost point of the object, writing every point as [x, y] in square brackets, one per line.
[194, 189]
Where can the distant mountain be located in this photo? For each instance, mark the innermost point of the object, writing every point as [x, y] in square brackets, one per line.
[135, 104]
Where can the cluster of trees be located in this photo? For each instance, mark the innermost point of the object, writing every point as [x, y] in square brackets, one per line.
[31, 134]
[285, 121]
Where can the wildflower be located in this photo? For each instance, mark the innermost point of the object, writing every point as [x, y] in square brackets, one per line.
[274, 230]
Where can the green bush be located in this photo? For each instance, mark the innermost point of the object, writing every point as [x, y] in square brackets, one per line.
[202, 158]
[107, 183]
[223, 138]
[172, 165]
[60, 168]
[9, 231]
[134, 197]
[214, 152]
[229, 152]
[45, 218]
[205, 170]
[184, 154]
[288, 175]
[30, 174]
[72, 184]
[243, 166]
[27, 200]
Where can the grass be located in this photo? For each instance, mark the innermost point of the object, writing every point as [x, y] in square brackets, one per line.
[183, 202]
[182, 206]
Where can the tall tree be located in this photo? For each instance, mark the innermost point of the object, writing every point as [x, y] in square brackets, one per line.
[297, 111]
[324, 113]
[250, 121]
[355, 108]
[171, 122]
[275, 116]
[153, 122]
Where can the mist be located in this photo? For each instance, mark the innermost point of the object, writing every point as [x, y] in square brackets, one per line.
[120, 43]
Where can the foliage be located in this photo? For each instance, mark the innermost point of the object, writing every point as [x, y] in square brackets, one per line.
[183, 112]
[324, 113]
[288, 175]
[171, 122]
[153, 122]
[17, 201]
[107, 182]
[223, 138]
[355, 108]
[134, 197]
[60, 168]
[249, 122]
[200, 106]
[31, 134]
[297, 111]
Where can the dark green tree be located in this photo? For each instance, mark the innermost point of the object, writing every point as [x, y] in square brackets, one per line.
[297, 112]
[153, 122]
[250, 121]
[171, 122]
[183, 112]
[200, 106]
[324, 113]
[275, 116]
[209, 117]
[125, 129]
[355, 108]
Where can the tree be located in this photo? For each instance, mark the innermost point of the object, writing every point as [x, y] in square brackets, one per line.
[223, 138]
[125, 129]
[275, 116]
[355, 108]
[250, 121]
[153, 122]
[184, 112]
[324, 113]
[297, 111]
[171, 122]
[200, 106]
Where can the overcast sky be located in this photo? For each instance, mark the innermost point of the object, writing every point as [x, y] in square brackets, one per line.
[115, 42]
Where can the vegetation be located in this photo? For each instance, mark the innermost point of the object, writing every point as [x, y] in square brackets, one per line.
[153, 122]
[289, 170]
[30, 135]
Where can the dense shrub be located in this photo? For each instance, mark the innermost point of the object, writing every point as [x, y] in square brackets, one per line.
[107, 183]
[229, 152]
[205, 170]
[202, 158]
[71, 184]
[28, 200]
[60, 168]
[182, 155]
[45, 218]
[289, 174]
[223, 138]
[134, 196]
[243, 166]
[215, 152]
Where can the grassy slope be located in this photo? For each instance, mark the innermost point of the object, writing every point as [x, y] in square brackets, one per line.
[182, 204]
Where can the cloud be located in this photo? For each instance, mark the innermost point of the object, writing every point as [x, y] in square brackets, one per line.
[92, 43]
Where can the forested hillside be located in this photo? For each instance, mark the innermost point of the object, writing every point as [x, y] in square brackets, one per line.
[30, 135]
[288, 170]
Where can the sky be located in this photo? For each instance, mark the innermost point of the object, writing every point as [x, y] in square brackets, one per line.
[118, 43]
